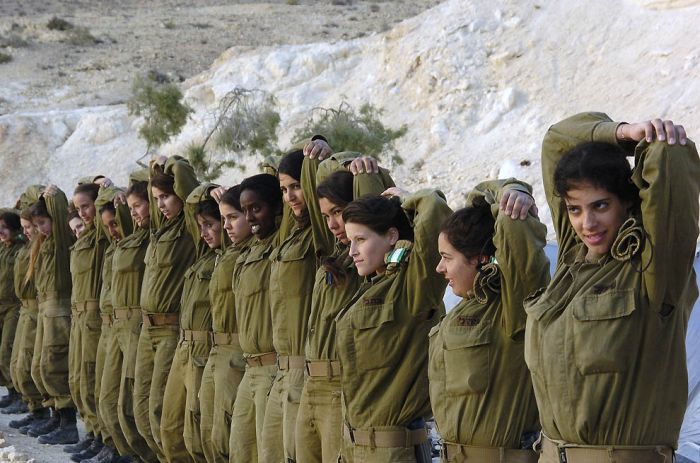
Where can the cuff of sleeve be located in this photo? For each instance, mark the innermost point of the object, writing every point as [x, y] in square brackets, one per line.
[606, 132]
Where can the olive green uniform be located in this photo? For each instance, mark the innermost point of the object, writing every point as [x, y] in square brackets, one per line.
[170, 253]
[86, 270]
[127, 275]
[53, 284]
[26, 331]
[480, 387]
[9, 309]
[109, 358]
[605, 342]
[382, 343]
[318, 430]
[182, 440]
[251, 284]
[225, 366]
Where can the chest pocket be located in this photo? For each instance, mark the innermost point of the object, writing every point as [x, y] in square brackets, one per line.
[127, 257]
[254, 275]
[294, 269]
[606, 331]
[467, 357]
[166, 250]
[374, 332]
[82, 257]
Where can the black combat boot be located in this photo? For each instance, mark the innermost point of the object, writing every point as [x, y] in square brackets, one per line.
[94, 448]
[8, 398]
[41, 427]
[38, 414]
[66, 432]
[16, 407]
[107, 454]
[80, 446]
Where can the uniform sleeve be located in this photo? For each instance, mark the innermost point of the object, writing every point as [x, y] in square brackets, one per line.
[30, 196]
[323, 239]
[427, 209]
[561, 138]
[523, 265]
[668, 180]
[57, 206]
[196, 196]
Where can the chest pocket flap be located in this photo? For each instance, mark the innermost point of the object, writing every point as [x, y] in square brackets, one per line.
[372, 316]
[296, 251]
[609, 305]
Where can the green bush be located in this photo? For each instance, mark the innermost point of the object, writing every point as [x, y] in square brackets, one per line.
[246, 125]
[5, 58]
[350, 130]
[162, 109]
[59, 24]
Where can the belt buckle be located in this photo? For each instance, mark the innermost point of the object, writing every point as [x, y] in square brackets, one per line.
[562, 454]
[149, 316]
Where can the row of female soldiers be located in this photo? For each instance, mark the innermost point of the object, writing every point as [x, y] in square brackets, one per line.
[299, 317]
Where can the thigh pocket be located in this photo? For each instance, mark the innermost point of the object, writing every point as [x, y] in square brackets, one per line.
[375, 336]
[606, 332]
[467, 357]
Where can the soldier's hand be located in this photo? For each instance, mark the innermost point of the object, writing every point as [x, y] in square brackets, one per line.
[119, 199]
[50, 190]
[217, 193]
[655, 129]
[160, 159]
[364, 164]
[394, 191]
[104, 182]
[517, 204]
[317, 149]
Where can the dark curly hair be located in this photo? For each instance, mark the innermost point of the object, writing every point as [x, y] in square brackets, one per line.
[470, 230]
[379, 214]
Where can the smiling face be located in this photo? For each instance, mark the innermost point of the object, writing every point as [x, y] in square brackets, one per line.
[6, 233]
[168, 204]
[85, 207]
[109, 220]
[235, 224]
[334, 219]
[210, 230]
[458, 270]
[138, 207]
[77, 226]
[292, 194]
[368, 248]
[27, 228]
[596, 216]
[258, 213]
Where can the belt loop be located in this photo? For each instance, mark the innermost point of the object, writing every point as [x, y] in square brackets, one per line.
[306, 368]
[330, 369]
[372, 439]
[501, 454]
[562, 454]
[212, 338]
[407, 438]
[443, 450]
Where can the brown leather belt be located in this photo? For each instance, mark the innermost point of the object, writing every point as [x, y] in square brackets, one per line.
[125, 312]
[372, 438]
[161, 319]
[194, 335]
[285, 362]
[323, 368]
[262, 360]
[106, 319]
[488, 454]
[224, 339]
[85, 306]
[570, 453]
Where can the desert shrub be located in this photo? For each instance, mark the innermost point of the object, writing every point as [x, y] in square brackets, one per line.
[160, 104]
[80, 36]
[246, 123]
[59, 24]
[5, 58]
[351, 130]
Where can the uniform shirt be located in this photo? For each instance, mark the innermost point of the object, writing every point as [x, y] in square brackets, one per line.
[8, 257]
[606, 340]
[106, 306]
[480, 387]
[291, 285]
[128, 267]
[195, 312]
[223, 312]
[86, 259]
[170, 253]
[251, 284]
[23, 289]
[382, 335]
[53, 262]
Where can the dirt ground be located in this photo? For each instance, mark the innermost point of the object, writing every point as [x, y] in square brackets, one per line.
[94, 59]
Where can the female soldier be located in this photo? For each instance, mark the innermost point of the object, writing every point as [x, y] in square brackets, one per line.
[86, 270]
[605, 342]
[225, 367]
[182, 440]
[53, 283]
[11, 242]
[26, 326]
[291, 285]
[319, 422]
[382, 333]
[127, 276]
[261, 202]
[480, 388]
[170, 253]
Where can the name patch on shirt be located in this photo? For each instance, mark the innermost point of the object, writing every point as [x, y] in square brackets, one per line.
[463, 320]
[372, 301]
